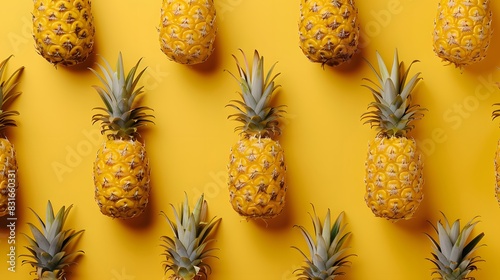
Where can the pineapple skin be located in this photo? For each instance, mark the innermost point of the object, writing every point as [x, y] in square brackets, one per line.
[497, 172]
[49, 275]
[121, 178]
[63, 30]
[7, 162]
[394, 177]
[257, 185]
[328, 30]
[462, 31]
[187, 30]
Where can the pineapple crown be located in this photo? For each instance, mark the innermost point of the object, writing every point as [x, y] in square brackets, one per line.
[186, 251]
[451, 251]
[392, 112]
[327, 251]
[50, 246]
[121, 119]
[255, 112]
[7, 94]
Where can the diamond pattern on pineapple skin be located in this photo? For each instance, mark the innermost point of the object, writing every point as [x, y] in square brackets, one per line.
[394, 177]
[8, 162]
[257, 187]
[63, 32]
[462, 31]
[121, 176]
[328, 31]
[187, 30]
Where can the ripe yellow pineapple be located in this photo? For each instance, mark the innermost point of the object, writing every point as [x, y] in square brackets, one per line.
[187, 30]
[121, 169]
[8, 162]
[394, 165]
[462, 31]
[63, 30]
[328, 30]
[256, 168]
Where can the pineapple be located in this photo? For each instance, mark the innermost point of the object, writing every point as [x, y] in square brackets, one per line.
[187, 250]
[8, 162]
[63, 30]
[394, 165]
[495, 114]
[462, 31]
[328, 30]
[497, 172]
[187, 30]
[51, 247]
[121, 169]
[256, 168]
[452, 252]
[326, 249]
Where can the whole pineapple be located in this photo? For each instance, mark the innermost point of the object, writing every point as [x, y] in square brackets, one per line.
[8, 162]
[328, 30]
[462, 31]
[256, 168]
[326, 249]
[121, 169]
[394, 165]
[63, 30]
[187, 30]
[452, 252]
[187, 250]
[51, 248]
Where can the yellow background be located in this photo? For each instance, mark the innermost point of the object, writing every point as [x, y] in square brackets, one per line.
[324, 140]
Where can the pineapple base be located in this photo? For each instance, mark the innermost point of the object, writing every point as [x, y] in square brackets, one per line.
[328, 31]
[256, 181]
[63, 30]
[462, 31]
[7, 162]
[121, 178]
[187, 30]
[394, 177]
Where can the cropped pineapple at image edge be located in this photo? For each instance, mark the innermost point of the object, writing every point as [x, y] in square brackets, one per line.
[121, 169]
[462, 31]
[51, 248]
[328, 30]
[496, 114]
[256, 179]
[8, 162]
[187, 30]
[187, 251]
[327, 251]
[452, 251]
[394, 165]
[63, 30]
